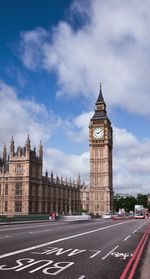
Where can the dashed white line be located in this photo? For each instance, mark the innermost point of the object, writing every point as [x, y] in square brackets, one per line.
[110, 252]
[94, 255]
[134, 231]
[82, 277]
[40, 231]
[127, 237]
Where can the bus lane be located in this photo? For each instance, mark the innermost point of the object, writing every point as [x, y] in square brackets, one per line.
[79, 257]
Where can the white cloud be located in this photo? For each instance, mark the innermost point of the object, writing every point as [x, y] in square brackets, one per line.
[70, 166]
[112, 46]
[31, 47]
[123, 138]
[22, 117]
[78, 131]
[131, 162]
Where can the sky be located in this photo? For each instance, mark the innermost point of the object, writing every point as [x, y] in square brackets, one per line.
[53, 56]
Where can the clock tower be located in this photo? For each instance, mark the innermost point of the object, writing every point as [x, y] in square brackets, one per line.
[100, 142]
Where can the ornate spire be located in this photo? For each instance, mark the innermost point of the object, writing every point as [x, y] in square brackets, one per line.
[27, 145]
[40, 150]
[4, 152]
[79, 180]
[12, 140]
[28, 140]
[12, 147]
[100, 96]
[52, 176]
[100, 111]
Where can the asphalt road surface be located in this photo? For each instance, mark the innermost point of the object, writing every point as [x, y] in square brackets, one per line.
[94, 249]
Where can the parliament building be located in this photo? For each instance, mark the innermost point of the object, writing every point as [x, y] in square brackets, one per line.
[25, 190]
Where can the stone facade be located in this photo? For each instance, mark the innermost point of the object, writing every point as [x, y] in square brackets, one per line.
[24, 190]
[100, 141]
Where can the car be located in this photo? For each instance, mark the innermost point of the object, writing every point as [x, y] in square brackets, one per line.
[139, 216]
[107, 216]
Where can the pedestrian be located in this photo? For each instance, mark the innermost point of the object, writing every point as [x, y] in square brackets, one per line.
[53, 216]
[50, 217]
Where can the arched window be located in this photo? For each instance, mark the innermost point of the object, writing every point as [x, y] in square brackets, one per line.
[18, 190]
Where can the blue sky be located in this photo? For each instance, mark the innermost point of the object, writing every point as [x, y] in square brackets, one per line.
[53, 56]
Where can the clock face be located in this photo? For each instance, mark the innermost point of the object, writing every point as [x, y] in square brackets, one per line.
[98, 133]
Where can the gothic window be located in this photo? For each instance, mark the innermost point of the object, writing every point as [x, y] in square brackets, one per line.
[36, 190]
[36, 206]
[30, 206]
[18, 190]
[97, 207]
[43, 191]
[37, 172]
[18, 206]
[96, 196]
[43, 207]
[30, 190]
[6, 206]
[6, 189]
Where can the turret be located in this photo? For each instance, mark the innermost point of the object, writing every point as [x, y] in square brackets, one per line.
[52, 176]
[79, 180]
[12, 147]
[40, 151]
[27, 144]
[4, 153]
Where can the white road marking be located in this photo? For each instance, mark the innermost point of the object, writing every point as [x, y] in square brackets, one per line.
[40, 231]
[22, 228]
[82, 277]
[59, 240]
[110, 252]
[122, 256]
[134, 231]
[5, 236]
[94, 255]
[127, 237]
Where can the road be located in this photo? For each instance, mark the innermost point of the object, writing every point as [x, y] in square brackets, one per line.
[94, 249]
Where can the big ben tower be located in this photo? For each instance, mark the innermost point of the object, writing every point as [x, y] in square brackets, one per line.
[100, 141]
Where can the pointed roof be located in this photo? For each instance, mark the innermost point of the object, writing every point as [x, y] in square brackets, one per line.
[100, 96]
[40, 146]
[28, 140]
[4, 146]
[100, 111]
[12, 140]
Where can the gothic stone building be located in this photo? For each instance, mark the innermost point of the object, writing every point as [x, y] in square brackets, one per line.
[24, 190]
[100, 141]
